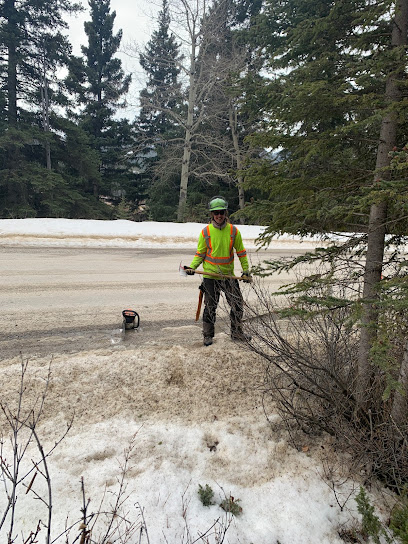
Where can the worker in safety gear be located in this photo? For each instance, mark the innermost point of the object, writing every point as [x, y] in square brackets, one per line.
[215, 250]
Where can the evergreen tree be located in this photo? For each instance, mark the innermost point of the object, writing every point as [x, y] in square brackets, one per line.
[202, 149]
[30, 36]
[321, 100]
[157, 127]
[98, 80]
[161, 62]
[335, 107]
[32, 48]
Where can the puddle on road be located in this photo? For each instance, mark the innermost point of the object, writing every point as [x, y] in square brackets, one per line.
[117, 336]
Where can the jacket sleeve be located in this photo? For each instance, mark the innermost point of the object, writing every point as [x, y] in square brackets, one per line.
[241, 252]
[200, 253]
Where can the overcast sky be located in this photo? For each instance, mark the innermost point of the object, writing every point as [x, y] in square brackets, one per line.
[137, 19]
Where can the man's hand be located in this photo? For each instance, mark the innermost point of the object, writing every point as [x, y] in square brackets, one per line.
[190, 271]
[246, 277]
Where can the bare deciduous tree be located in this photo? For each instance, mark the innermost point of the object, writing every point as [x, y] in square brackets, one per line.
[209, 145]
[310, 355]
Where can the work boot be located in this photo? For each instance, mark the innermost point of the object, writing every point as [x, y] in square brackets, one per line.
[208, 333]
[240, 336]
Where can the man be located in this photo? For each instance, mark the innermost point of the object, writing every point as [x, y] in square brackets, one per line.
[215, 250]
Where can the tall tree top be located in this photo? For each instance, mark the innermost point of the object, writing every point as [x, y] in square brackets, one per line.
[160, 59]
[102, 43]
[99, 79]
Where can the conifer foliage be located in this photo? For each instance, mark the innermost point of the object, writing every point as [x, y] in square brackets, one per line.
[157, 127]
[323, 106]
[161, 62]
[335, 109]
[100, 84]
[32, 48]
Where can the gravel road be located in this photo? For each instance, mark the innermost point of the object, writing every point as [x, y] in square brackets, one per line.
[65, 300]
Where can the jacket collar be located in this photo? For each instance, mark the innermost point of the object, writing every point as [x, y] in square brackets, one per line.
[220, 227]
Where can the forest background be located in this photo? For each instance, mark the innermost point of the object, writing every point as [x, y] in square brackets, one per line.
[296, 112]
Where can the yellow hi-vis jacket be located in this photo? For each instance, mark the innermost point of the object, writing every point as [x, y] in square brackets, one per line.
[215, 249]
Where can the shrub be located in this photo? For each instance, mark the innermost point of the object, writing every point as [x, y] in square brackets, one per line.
[399, 520]
[206, 495]
[310, 353]
[230, 505]
[372, 526]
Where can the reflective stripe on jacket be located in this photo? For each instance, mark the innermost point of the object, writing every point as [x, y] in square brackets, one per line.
[215, 249]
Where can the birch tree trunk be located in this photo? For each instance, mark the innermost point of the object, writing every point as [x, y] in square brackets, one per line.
[238, 157]
[378, 217]
[185, 165]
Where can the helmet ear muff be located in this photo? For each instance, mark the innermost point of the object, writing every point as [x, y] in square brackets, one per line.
[217, 203]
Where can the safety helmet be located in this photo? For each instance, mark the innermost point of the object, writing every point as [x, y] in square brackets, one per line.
[217, 203]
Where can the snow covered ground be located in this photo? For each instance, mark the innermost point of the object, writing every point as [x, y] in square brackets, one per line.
[191, 415]
[119, 233]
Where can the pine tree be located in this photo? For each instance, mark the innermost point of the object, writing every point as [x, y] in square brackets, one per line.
[32, 49]
[156, 125]
[335, 111]
[98, 80]
[321, 101]
[160, 61]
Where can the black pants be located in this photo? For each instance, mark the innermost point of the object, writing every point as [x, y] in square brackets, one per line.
[212, 290]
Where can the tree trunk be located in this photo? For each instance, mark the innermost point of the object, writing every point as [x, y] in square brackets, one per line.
[378, 217]
[10, 13]
[238, 158]
[400, 405]
[46, 120]
[372, 276]
[185, 166]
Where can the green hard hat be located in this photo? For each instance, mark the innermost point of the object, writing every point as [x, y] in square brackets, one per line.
[217, 203]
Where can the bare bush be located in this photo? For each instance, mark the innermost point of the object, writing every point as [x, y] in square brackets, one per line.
[24, 460]
[22, 422]
[20, 431]
[310, 360]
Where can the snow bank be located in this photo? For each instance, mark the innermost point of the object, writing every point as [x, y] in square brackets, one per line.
[122, 233]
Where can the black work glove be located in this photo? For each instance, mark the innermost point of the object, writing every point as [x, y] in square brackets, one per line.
[190, 271]
[246, 277]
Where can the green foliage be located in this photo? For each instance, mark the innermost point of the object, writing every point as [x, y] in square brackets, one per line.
[98, 78]
[206, 495]
[372, 525]
[100, 84]
[157, 129]
[392, 329]
[163, 199]
[399, 519]
[160, 60]
[33, 47]
[322, 117]
[230, 505]
[123, 210]
[374, 528]
[46, 163]
[327, 66]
